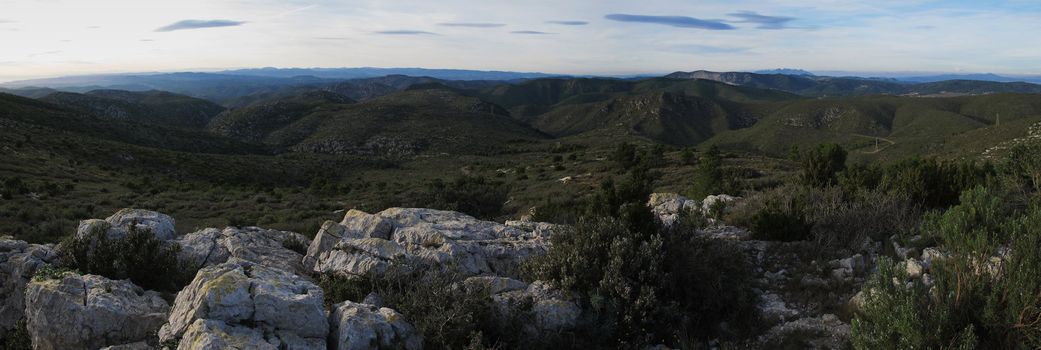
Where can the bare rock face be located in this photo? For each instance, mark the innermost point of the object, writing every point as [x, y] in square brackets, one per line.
[553, 310]
[217, 335]
[364, 243]
[120, 223]
[283, 307]
[211, 246]
[90, 312]
[356, 326]
[18, 263]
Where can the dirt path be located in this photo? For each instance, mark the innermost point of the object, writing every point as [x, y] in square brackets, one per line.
[877, 149]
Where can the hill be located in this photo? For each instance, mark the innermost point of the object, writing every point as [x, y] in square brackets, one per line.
[856, 86]
[150, 107]
[891, 127]
[401, 124]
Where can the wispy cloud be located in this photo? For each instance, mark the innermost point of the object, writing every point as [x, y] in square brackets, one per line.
[675, 21]
[764, 22]
[404, 32]
[708, 49]
[471, 25]
[198, 24]
[530, 32]
[569, 23]
[146, 40]
[332, 38]
[48, 53]
[5, 21]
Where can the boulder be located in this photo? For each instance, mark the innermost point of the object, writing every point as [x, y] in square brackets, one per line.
[359, 245]
[18, 262]
[217, 335]
[357, 326]
[211, 246]
[823, 332]
[284, 307]
[89, 312]
[913, 267]
[552, 309]
[710, 202]
[120, 223]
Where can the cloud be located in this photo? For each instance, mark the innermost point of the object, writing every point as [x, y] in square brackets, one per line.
[48, 53]
[675, 21]
[569, 23]
[404, 32]
[765, 22]
[531, 32]
[146, 40]
[198, 24]
[2, 21]
[708, 49]
[332, 38]
[471, 25]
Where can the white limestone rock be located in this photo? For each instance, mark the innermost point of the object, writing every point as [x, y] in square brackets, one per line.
[90, 312]
[286, 308]
[356, 326]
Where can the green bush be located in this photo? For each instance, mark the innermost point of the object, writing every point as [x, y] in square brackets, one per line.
[829, 216]
[17, 338]
[708, 175]
[294, 244]
[430, 298]
[933, 183]
[979, 297]
[642, 287]
[821, 164]
[139, 256]
[476, 196]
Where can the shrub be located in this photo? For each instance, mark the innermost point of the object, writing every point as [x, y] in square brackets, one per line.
[476, 196]
[708, 175]
[430, 298]
[829, 216]
[294, 244]
[821, 164]
[979, 297]
[17, 338]
[934, 183]
[139, 256]
[643, 287]
[1024, 165]
[624, 155]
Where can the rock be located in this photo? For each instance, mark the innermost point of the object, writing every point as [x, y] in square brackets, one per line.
[282, 306]
[132, 346]
[657, 199]
[217, 335]
[668, 206]
[931, 255]
[774, 310]
[361, 326]
[211, 246]
[356, 246]
[824, 332]
[89, 312]
[359, 224]
[553, 310]
[710, 202]
[725, 232]
[120, 223]
[495, 284]
[913, 267]
[18, 262]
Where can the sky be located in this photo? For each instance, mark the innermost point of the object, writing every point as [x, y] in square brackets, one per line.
[44, 38]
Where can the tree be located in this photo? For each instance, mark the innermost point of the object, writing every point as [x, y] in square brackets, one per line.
[708, 175]
[820, 165]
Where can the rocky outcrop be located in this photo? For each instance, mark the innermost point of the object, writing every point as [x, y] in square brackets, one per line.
[356, 326]
[552, 309]
[212, 246]
[242, 299]
[89, 312]
[671, 208]
[120, 223]
[18, 262]
[364, 243]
